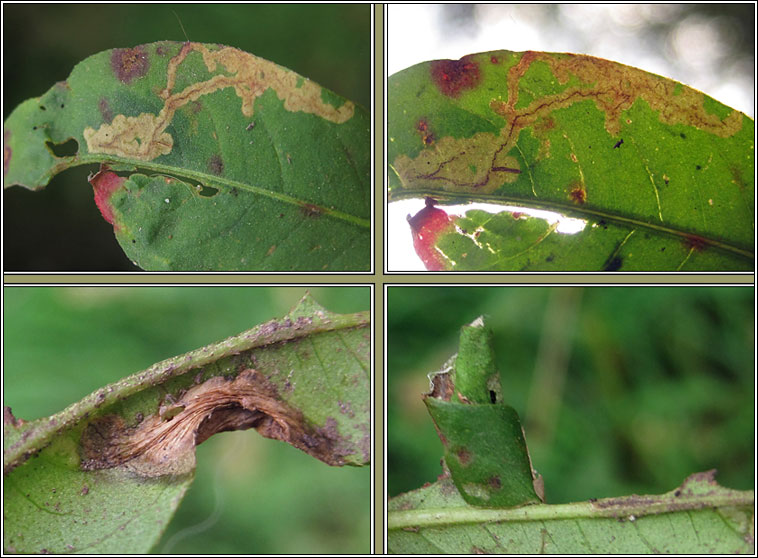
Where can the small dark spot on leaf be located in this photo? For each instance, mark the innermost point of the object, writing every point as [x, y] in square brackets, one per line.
[550, 258]
[427, 136]
[681, 135]
[85, 490]
[250, 126]
[695, 242]
[216, 165]
[310, 210]
[614, 264]
[494, 59]
[494, 483]
[493, 397]
[578, 194]
[42, 107]
[618, 144]
[463, 455]
[698, 167]
[678, 493]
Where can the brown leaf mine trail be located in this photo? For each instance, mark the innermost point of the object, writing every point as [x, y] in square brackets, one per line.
[144, 137]
[484, 162]
[164, 443]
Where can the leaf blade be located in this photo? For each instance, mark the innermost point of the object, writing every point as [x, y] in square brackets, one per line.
[681, 521]
[47, 457]
[218, 117]
[542, 130]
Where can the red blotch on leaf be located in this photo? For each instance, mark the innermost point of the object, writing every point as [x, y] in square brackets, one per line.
[105, 183]
[426, 226]
[453, 76]
[129, 63]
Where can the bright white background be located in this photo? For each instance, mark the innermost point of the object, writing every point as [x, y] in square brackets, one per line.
[701, 50]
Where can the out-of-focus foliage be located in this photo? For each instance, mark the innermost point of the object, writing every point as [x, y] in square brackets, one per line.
[250, 494]
[330, 44]
[655, 383]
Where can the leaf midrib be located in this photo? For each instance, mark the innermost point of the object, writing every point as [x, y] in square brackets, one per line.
[212, 180]
[459, 515]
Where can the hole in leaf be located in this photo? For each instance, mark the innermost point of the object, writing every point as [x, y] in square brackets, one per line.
[68, 148]
[206, 191]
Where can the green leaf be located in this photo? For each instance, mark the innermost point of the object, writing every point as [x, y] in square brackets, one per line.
[699, 517]
[662, 174]
[213, 159]
[482, 437]
[108, 472]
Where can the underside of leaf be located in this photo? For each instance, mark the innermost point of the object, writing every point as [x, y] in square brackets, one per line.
[699, 517]
[128, 450]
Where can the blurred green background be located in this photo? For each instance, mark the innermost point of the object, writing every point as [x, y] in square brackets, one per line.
[620, 390]
[59, 228]
[251, 495]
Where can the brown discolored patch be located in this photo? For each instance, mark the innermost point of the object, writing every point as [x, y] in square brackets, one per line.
[129, 63]
[216, 165]
[494, 482]
[427, 136]
[105, 110]
[310, 210]
[164, 443]
[9, 419]
[464, 456]
[442, 386]
[454, 76]
[544, 124]
[494, 59]
[578, 194]
[695, 242]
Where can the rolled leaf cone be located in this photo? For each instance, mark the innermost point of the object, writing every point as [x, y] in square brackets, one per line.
[484, 446]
